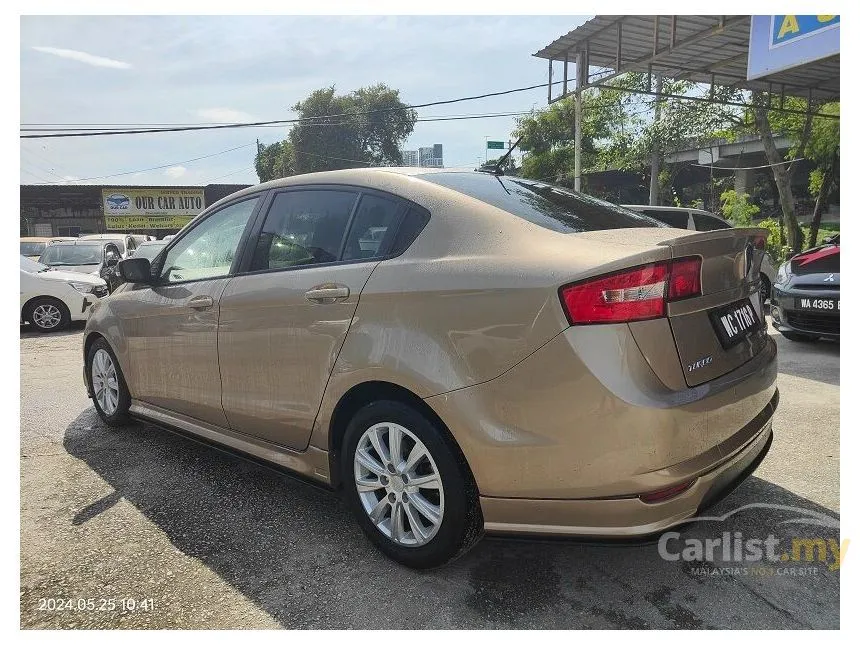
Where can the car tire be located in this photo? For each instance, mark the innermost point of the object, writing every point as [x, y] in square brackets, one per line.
[48, 314]
[107, 385]
[800, 338]
[415, 541]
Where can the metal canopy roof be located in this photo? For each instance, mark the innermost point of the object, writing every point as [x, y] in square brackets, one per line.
[703, 49]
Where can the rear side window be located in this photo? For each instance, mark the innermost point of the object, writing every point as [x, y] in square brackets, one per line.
[372, 228]
[709, 223]
[546, 205]
[303, 227]
[412, 224]
[675, 219]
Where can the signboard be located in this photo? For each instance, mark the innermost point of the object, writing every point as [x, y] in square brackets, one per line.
[150, 208]
[495, 145]
[778, 43]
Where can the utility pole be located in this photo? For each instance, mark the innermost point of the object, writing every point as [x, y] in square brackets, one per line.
[577, 125]
[654, 193]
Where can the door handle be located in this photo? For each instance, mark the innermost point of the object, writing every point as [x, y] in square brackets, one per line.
[325, 294]
[201, 302]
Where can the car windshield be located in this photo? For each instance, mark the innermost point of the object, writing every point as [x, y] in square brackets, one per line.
[72, 254]
[32, 248]
[149, 251]
[546, 205]
[31, 266]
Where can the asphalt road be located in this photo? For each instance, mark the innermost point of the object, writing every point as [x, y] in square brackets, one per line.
[215, 541]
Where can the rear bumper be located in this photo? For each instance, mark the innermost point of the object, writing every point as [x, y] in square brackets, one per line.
[628, 517]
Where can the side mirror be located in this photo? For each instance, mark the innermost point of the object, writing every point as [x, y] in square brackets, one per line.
[136, 270]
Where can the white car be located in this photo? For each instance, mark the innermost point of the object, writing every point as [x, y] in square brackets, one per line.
[51, 299]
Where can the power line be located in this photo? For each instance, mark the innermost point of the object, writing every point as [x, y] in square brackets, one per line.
[168, 165]
[77, 133]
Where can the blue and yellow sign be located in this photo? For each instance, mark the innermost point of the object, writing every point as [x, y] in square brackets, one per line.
[786, 29]
[778, 43]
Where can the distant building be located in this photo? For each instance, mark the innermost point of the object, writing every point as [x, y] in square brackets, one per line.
[430, 156]
[410, 157]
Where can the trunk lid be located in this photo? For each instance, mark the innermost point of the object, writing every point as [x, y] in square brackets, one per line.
[719, 330]
[724, 327]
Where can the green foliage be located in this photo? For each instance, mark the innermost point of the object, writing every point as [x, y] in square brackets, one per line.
[777, 252]
[737, 209]
[337, 132]
[275, 161]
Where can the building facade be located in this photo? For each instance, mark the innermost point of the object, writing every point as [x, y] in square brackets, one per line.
[410, 157]
[77, 210]
[430, 156]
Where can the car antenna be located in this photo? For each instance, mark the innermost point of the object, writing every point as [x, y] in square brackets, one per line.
[497, 169]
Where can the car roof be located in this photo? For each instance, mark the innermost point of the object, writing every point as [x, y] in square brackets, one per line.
[683, 209]
[152, 243]
[81, 242]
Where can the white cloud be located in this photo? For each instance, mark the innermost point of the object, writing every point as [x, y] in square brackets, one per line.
[176, 171]
[222, 115]
[83, 57]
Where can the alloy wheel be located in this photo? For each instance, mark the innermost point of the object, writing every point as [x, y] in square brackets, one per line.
[105, 382]
[47, 315]
[399, 484]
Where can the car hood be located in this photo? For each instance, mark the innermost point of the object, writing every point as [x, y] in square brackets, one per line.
[78, 269]
[75, 275]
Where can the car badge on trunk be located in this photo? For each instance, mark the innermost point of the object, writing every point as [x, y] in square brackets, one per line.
[702, 362]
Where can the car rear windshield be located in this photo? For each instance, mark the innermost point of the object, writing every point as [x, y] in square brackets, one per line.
[546, 205]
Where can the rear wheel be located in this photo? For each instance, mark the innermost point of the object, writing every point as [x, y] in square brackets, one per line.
[800, 338]
[48, 314]
[110, 393]
[407, 488]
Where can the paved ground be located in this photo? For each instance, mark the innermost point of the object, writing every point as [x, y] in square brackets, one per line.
[218, 542]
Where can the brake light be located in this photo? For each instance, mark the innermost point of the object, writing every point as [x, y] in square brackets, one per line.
[640, 293]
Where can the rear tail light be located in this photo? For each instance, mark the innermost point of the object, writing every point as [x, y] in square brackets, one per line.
[640, 293]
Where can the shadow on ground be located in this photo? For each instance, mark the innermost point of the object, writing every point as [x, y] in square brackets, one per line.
[294, 550]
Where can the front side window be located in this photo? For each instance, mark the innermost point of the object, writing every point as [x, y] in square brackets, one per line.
[675, 219]
[207, 250]
[303, 227]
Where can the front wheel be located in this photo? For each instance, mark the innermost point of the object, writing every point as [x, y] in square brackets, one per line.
[107, 384]
[407, 487]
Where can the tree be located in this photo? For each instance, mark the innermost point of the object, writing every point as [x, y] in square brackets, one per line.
[274, 161]
[823, 149]
[355, 130]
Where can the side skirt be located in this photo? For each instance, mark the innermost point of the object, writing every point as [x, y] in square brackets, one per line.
[312, 463]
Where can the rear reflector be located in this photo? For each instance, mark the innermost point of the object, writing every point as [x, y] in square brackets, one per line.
[666, 493]
[640, 293]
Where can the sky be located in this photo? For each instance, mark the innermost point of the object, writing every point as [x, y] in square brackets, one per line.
[186, 69]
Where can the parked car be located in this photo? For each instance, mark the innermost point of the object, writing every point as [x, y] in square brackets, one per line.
[96, 257]
[50, 299]
[32, 247]
[512, 357]
[805, 305]
[127, 242]
[696, 219]
[150, 249]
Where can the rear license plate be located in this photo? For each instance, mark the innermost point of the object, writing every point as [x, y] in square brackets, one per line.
[734, 322]
[826, 305]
